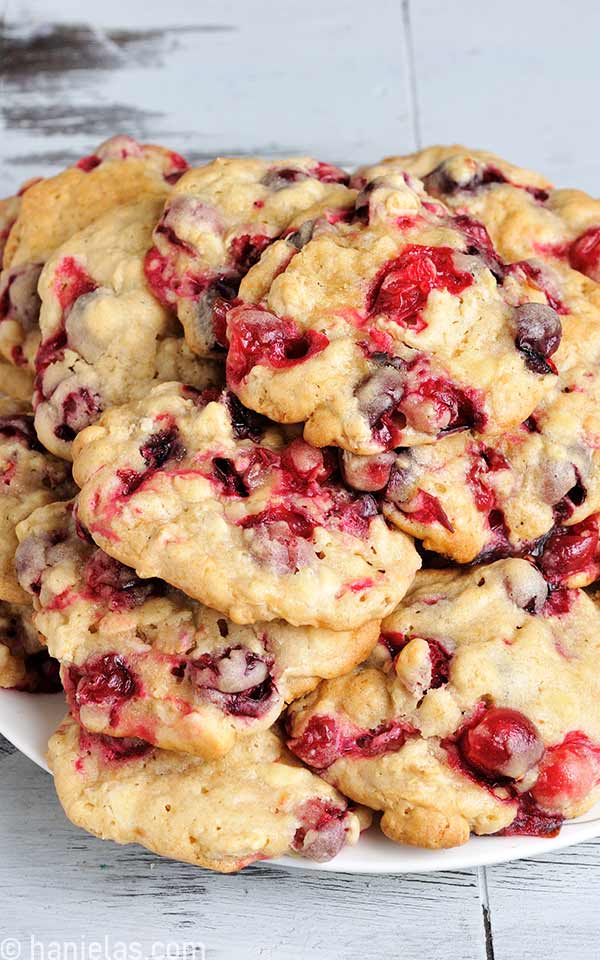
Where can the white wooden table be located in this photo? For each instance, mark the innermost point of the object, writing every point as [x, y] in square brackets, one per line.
[347, 81]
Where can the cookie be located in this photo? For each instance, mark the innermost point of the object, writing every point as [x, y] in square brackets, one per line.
[141, 659]
[29, 477]
[477, 712]
[254, 804]
[24, 661]
[524, 215]
[16, 382]
[218, 221]
[469, 499]
[391, 328]
[222, 505]
[120, 171]
[105, 338]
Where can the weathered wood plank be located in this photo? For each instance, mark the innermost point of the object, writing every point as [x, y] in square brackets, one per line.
[205, 78]
[548, 906]
[519, 80]
[81, 887]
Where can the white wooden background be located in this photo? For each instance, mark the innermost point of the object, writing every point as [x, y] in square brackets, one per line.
[346, 80]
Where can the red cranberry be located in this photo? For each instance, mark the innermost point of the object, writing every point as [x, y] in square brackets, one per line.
[116, 585]
[353, 513]
[71, 281]
[479, 244]
[568, 773]
[231, 482]
[19, 427]
[237, 680]
[130, 481]
[427, 509]
[257, 337]
[103, 680]
[298, 522]
[504, 743]
[79, 409]
[386, 738]
[569, 550]
[322, 833]
[320, 743]
[304, 462]
[402, 287]
[162, 446]
[246, 424]
[247, 250]
[88, 163]
[584, 253]
[112, 749]
[367, 473]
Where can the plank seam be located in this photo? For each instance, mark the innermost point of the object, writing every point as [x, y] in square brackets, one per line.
[486, 916]
[413, 92]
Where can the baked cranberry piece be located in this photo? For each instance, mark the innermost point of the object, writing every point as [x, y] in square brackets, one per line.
[367, 473]
[237, 680]
[320, 743]
[79, 409]
[570, 550]
[298, 522]
[584, 253]
[19, 427]
[443, 182]
[532, 821]
[246, 250]
[114, 584]
[112, 749]
[539, 333]
[89, 163]
[231, 482]
[479, 243]
[427, 509]
[503, 743]
[105, 680]
[568, 773]
[322, 833]
[402, 287]
[259, 337]
[161, 447]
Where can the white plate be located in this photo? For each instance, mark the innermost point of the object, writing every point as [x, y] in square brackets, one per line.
[27, 721]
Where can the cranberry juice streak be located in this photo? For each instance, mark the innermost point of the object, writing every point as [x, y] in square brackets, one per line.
[71, 282]
[323, 740]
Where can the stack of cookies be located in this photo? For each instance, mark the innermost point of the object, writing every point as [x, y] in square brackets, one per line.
[300, 492]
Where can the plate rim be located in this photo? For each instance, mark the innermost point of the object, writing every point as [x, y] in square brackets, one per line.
[383, 856]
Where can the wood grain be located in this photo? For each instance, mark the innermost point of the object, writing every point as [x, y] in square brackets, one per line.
[89, 888]
[206, 78]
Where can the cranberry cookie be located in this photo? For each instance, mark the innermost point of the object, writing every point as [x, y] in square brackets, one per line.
[29, 477]
[254, 804]
[391, 327]
[120, 171]
[105, 338]
[141, 659]
[217, 502]
[466, 498]
[24, 660]
[525, 216]
[216, 225]
[478, 711]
